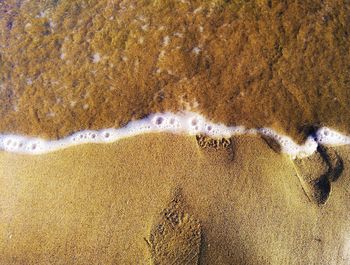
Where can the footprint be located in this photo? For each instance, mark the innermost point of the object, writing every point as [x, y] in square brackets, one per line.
[316, 173]
[175, 237]
[334, 162]
[221, 144]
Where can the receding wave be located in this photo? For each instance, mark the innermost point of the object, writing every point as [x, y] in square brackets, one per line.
[190, 123]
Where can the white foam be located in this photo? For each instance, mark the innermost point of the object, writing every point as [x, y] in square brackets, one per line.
[190, 123]
[327, 136]
[96, 58]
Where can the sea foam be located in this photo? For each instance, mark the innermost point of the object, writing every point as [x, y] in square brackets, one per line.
[189, 123]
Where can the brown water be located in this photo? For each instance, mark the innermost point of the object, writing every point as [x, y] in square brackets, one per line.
[72, 65]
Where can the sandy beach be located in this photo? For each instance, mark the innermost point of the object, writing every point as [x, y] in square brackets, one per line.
[267, 75]
[134, 201]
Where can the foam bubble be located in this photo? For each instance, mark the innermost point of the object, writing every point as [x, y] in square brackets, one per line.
[184, 122]
[331, 137]
[288, 146]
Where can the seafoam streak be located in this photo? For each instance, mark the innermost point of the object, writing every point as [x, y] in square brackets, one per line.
[190, 123]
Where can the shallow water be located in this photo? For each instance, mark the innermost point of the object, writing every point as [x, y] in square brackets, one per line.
[69, 66]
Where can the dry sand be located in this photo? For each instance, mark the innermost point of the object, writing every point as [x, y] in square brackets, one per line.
[169, 199]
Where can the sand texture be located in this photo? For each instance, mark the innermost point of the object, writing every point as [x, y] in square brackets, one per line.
[71, 65]
[66, 66]
[176, 237]
[168, 199]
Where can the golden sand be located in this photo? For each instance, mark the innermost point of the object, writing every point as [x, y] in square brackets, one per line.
[72, 65]
[67, 66]
[168, 199]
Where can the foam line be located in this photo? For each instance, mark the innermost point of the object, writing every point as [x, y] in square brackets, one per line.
[183, 122]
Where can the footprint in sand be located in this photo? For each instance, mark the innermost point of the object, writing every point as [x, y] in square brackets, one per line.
[175, 237]
[224, 145]
[316, 173]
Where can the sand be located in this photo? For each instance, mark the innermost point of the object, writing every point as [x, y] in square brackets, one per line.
[72, 65]
[66, 66]
[170, 199]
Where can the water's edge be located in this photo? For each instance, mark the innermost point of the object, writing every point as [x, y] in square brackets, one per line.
[190, 123]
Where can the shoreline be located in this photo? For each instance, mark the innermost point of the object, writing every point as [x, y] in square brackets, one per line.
[188, 123]
[174, 132]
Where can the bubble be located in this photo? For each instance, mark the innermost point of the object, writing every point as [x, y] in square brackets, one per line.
[159, 120]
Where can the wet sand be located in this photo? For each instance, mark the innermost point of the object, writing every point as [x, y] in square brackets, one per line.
[131, 202]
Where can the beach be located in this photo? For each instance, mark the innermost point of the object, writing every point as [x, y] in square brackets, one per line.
[103, 203]
[174, 132]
